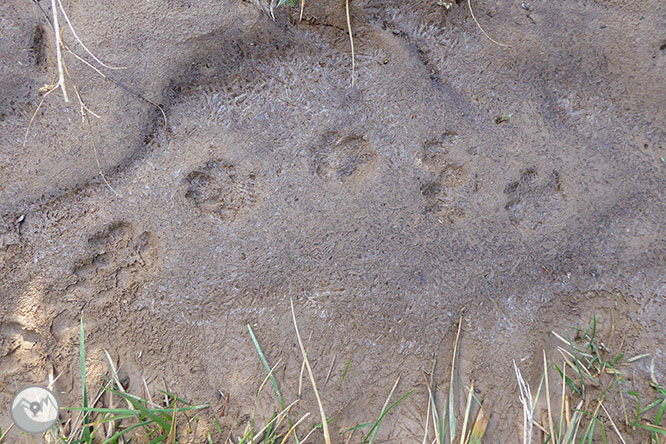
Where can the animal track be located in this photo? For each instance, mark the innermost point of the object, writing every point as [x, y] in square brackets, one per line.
[220, 189]
[9, 230]
[446, 195]
[119, 257]
[530, 201]
[434, 151]
[345, 158]
[38, 48]
[13, 335]
[21, 348]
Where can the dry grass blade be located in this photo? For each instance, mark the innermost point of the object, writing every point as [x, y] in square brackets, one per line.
[85, 112]
[452, 416]
[2, 437]
[304, 440]
[528, 407]
[82, 60]
[291, 430]
[351, 41]
[574, 423]
[463, 432]
[550, 414]
[85, 48]
[435, 420]
[425, 428]
[34, 114]
[469, 4]
[612, 423]
[558, 336]
[300, 18]
[327, 436]
[278, 416]
[330, 369]
[268, 376]
[300, 379]
[566, 354]
[479, 427]
[171, 439]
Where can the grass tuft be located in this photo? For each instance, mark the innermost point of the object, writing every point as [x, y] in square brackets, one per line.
[141, 421]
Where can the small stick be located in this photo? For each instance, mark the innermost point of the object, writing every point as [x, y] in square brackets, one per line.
[56, 30]
[71, 28]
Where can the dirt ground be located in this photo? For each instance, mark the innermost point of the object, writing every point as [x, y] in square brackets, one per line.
[522, 187]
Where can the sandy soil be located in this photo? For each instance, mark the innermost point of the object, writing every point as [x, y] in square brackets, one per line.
[522, 188]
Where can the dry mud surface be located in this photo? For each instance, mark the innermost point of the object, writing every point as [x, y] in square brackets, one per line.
[522, 188]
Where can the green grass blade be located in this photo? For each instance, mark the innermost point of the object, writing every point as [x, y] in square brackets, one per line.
[379, 420]
[159, 439]
[651, 428]
[381, 414]
[84, 392]
[171, 395]
[344, 374]
[262, 358]
[269, 430]
[452, 417]
[568, 380]
[361, 426]
[320, 425]
[439, 425]
[129, 412]
[128, 429]
[577, 362]
[246, 436]
[660, 412]
[266, 366]
[650, 406]
[146, 412]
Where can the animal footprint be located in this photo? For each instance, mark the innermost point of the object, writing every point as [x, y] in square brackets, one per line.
[345, 158]
[118, 257]
[9, 230]
[530, 201]
[434, 151]
[20, 348]
[220, 189]
[446, 196]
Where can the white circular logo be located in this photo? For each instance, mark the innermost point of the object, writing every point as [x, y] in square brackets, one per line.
[34, 409]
